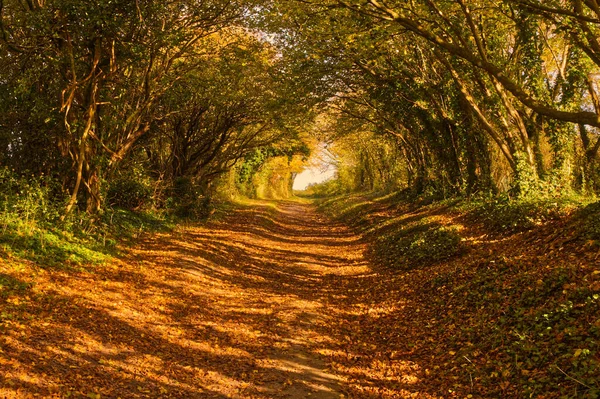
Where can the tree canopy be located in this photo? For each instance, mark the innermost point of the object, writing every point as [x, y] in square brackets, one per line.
[448, 96]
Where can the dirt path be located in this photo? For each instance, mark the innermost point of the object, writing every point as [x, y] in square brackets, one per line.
[252, 306]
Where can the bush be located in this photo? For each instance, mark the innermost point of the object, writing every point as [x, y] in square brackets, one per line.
[128, 193]
[188, 200]
[434, 245]
[420, 243]
[198, 208]
[31, 227]
[590, 216]
[26, 201]
[328, 188]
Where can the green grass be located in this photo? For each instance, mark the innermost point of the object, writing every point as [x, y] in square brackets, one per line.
[31, 228]
[52, 248]
[68, 245]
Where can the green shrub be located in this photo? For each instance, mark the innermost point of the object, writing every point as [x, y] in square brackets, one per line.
[590, 216]
[126, 224]
[188, 200]
[31, 227]
[128, 193]
[434, 245]
[198, 208]
[329, 188]
[26, 201]
[514, 215]
[417, 244]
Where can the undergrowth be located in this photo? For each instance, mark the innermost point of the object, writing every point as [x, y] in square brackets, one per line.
[512, 286]
[505, 215]
[31, 227]
[590, 222]
[417, 243]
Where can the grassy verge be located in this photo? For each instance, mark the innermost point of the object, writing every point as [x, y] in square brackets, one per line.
[33, 237]
[502, 296]
[76, 243]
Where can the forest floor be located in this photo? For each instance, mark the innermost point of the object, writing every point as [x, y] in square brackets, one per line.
[275, 300]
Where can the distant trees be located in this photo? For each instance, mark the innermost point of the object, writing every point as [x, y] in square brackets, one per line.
[218, 112]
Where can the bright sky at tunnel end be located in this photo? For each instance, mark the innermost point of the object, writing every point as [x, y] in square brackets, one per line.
[313, 175]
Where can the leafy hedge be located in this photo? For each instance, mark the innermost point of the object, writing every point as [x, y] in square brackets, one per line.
[505, 215]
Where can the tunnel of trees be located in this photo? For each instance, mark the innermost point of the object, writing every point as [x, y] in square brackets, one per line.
[120, 103]
[453, 254]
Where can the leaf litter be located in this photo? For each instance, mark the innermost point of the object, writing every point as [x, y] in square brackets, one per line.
[281, 302]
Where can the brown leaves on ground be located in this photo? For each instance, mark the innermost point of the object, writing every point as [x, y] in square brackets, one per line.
[259, 305]
[512, 316]
[279, 302]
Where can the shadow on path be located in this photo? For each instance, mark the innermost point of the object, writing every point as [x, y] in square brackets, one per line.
[258, 305]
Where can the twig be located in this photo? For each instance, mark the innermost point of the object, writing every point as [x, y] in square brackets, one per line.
[574, 379]
[470, 374]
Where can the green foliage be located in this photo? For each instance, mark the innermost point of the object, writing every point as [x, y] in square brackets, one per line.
[502, 214]
[267, 172]
[25, 200]
[521, 317]
[540, 319]
[557, 183]
[590, 222]
[415, 244]
[366, 161]
[399, 242]
[198, 208]
[255, 159]
[54, 248]
[326, 189]
[30, 225]
[128, 193]
[117, 224]
[527, 182]
[189, 200]
[249, 167]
